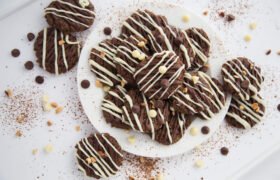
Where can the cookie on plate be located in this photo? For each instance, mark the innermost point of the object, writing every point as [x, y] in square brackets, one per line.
[56, 52]
[130, 53]
[173, 129]
[99, 155]
[245, 113]
[200, 44]
[102, 61]
[242, 78]
[70, 15]
[112, 107]
[141, 114]
[160, 76]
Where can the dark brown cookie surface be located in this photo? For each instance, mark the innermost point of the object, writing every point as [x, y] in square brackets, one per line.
[70, 15]
[141, 114]
[130, 53]
[245, 113]
[56, 52]
[160, 76]
[112, 107]
[102, 61]
[99, 156]
[242, 78]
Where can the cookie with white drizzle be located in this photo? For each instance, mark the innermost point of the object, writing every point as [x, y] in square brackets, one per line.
[112, 107]
[56, 52]
[160, 76]
[176, 40]
[99, 156]
[130, 52]
[242, 78]
[142, 23]
[173, 129]
[70, 15]
[217, 101]
[141, 114]
[200, 44]
[191, 98]
[245, 113]
[102, 61]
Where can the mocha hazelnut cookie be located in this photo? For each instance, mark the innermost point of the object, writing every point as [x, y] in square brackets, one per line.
[70, 15]
[56, 52]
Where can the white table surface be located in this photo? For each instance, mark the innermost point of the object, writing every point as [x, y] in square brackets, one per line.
[15, 154]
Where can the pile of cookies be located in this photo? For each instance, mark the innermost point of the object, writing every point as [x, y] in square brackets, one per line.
[155, 79]
[56, 47]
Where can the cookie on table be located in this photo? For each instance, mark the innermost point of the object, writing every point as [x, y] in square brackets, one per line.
[173, 39]
[142, 23]
[102, 61]
[245, 113]
[130, 53]
[99, 155]
[56, 52]
[200, 44]
[112, 107]
[160, 76]
[173, 129]
[141, 114]
[70, 15]
[242, 78]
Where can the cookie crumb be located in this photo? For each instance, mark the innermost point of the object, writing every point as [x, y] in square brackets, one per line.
[135, 54]
[9, 93]
[185, 18]
[268, 52]
[131, 139]
[194, 131]
[141, 44]
[106, 88]
[253, 26]
[47, 107]
[247, 38]
[48, 148]
[34, 151]
[199, 163]
[160, 176]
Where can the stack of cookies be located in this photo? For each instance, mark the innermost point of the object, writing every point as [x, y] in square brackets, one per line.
[56, 47]
[155, 77]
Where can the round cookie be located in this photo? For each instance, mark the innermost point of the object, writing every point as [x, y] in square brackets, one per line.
[70, 15]
[200, 44]
[160, 76]
[99, 155]
[141, 114]
[242, 78]
[56, 52]
[130, 52]
[245, 113]
[112, 107]
[102, 61]
[173, 129]
[173, 39]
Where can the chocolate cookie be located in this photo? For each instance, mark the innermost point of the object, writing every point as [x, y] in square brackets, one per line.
[200, 44]
[56, 52]
[141, 114]
[99, 156]
[130, 52]
[242, 78]
[142, 23]
[112, 107]
[102, 61]
[173, 39]
[161, 75]
[245, 113]
[173, 129]
[70, 15]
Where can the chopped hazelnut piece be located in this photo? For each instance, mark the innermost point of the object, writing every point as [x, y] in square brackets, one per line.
[91, 160]
[131, 178]
[241, 107]
[18, 133]
[59, 110]
[152, 113]
[278, 53]
[142, 57]
[131, 139]
[34, 151]
[9, 93]
[256, 107]
[106, 88]
[78, 128]
[98, 84]
[123, 82]
[205, 13]
[61, 42]
[141, 44]
[199, 163]
[194, 131]
[195, 79]
[102, 54]
[49, 123]
[247, 38]
[244, 73]
[102, 154]
[54, 104]
[160, 176]
[252, 26]
[185, 18]
[20, 119]
[47, 107]
[185, 90]
[135, 54]
[48, 148]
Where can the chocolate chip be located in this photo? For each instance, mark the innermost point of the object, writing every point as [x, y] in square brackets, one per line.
[245, 84]
[107, 31]
[268, 52]
[29, 65]
[278, 107]
[230, 18]
[164, 83]
[15, 53]
[135, 109]
[39, 79]
[159, 104]
[178, 41]
[85, 84]
[222, 14]
[224, 151]
[205, 130]
[30, 36]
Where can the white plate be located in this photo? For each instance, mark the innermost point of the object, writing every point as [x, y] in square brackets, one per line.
[91, 98]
